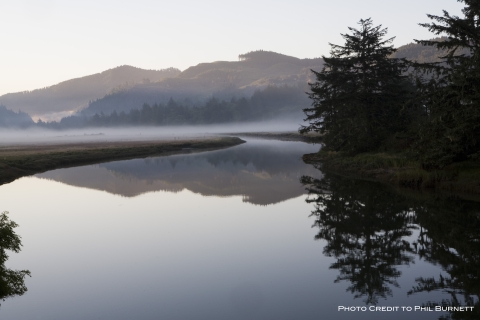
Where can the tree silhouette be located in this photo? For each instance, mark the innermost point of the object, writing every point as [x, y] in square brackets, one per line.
[358, 96]
[365, 230]
[451, 90]
[450, 237]
[12, 282]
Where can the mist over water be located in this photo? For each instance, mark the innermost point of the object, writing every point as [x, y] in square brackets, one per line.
[9, 137]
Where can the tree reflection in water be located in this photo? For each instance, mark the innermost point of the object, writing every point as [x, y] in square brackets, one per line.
[365, 229]
[12, 282]
[450, 237]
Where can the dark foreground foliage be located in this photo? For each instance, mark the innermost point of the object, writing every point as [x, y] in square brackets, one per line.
[363, 101]
[451, 94]
[12, 282]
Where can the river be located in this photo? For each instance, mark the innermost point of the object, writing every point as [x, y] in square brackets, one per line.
[248, 232]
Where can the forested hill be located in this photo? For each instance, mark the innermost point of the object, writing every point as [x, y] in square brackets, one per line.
[226, 79]
[222, 79]
[421, 54]
[9, 118]
[73, 94]
[254, 68]
[273, 102]
[125, 88]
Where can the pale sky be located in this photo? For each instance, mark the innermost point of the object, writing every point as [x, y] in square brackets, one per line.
[43, 42]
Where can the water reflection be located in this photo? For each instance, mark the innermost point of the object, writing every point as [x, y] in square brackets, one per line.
[12, 282]
[365, 231]
[369, 230]
[263, 172]
[193, 257]
[450, 237]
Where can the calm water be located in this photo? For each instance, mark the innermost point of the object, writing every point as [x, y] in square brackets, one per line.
[249, 232]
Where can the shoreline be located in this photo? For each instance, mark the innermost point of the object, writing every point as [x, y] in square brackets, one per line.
[460, 179]
[281, 136]
[25, 160]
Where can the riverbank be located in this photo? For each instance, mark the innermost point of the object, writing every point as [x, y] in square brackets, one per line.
[399, 170]
[282, 136]
[25, 160]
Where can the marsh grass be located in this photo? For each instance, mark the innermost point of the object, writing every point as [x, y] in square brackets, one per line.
[398, 169]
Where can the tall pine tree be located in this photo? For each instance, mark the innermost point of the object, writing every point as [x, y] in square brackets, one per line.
[452, 90]
[359, 94]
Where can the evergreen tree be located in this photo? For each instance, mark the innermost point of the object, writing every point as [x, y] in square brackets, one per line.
[359, 94]
[452, 90]
[12, 282]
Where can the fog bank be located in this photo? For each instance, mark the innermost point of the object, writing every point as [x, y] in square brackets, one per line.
[34, 136]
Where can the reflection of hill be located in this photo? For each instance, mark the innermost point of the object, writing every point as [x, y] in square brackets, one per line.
[264, 172]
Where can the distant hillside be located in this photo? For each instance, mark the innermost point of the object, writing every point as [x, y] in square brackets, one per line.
[222, 79]
[273, 102]
[125, 88]
[71, 95]
[422, 54]
[9, 118]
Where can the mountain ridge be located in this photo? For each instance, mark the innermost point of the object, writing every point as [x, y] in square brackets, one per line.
[70, 95]
[125, 87]
[221, 79]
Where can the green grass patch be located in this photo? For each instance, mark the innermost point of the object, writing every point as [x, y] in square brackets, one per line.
[400, 170]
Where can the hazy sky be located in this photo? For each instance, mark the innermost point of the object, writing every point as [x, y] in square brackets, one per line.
[43, 42]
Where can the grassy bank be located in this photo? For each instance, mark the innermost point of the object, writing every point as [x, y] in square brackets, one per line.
[399, 170]
[282, 136]
[19, 161]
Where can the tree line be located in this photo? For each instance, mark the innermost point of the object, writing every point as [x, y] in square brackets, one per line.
[263, 105]
[9, 118]
[363, 100]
